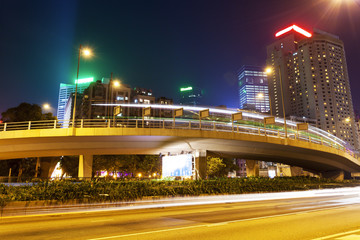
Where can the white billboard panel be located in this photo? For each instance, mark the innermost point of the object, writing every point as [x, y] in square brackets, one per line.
[177, 166]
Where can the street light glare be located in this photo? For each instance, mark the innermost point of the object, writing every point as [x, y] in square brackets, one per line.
[87, 52]
[116, 83]
[268, 70]
[46, 106]
[260, 95]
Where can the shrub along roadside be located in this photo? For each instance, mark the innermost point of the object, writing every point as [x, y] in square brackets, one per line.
[100, 191]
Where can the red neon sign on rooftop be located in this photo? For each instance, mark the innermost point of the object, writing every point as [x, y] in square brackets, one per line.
[296, 29]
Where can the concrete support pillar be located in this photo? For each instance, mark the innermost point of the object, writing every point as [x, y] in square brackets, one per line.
[295, 171]
[85, 166]
[252, 168]
[200, 164]
[336, 175]
[47, 166]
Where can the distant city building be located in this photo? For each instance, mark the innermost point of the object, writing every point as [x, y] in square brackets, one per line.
[312, 72]
[104, 92]
[168, 113]
[241, 163]
[164, 101]
[142, 96]
[190, 96]
[65, 92]
[253, 89]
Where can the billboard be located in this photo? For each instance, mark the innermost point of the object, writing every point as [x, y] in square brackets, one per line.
[302, 126]
[269, 120]
[177, 166]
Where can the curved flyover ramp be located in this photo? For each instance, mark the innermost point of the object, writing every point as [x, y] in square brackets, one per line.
[121, 140]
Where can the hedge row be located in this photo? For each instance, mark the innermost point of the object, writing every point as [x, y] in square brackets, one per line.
[99, 191]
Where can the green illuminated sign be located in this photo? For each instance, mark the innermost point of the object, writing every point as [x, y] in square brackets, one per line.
[185, 89]
[84, 80]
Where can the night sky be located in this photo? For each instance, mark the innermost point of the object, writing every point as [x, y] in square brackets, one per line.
[161, 45]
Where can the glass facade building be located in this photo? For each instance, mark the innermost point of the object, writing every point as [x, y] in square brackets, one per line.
[253, 89]
[65, 92]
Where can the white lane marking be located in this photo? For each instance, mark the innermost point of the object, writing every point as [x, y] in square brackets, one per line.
[337, 235]
[143, 233]
[350, 237]
[214, 224]
[102, 220]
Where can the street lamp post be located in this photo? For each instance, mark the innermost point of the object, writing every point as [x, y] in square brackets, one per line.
[282, 100]
[268, 71]
[86, 52]
[109, 100]
[112, 85]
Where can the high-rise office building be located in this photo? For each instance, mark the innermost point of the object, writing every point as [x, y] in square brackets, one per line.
[190, 96]
[253, 89]
[310, 75]
[65, 92]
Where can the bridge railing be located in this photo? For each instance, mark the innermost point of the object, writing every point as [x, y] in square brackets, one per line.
[177, 124]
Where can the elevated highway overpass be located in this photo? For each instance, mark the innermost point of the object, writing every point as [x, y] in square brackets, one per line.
[314, 150]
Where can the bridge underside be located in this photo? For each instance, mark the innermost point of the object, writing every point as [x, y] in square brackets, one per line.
[227, 146]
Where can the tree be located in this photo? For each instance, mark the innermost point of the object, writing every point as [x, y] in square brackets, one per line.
[5, 166]
[214, 166]
[69, 165]
[26, 169]
[25, 112]
[220, 167]
[129, 165]
[149, 164]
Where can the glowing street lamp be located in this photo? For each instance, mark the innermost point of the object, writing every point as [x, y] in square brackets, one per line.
[336, 2]
[46, 106]
[86, 52]
[112, 84]
[116, 83]
[347, 120]
[268, 70]
[260, 95]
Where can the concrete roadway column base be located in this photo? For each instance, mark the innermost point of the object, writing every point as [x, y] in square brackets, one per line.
[252, 168]
[336, 175]
[47, 166]
[85, 167]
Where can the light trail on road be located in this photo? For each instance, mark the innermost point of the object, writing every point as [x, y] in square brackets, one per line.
[304, 215]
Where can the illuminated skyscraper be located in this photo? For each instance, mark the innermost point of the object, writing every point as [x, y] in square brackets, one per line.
[190, 96]
[313, 72]
[66, 90]
[253, 89]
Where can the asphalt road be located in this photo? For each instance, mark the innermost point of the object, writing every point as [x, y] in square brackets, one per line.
[335, 216]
